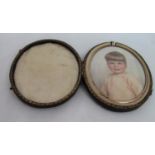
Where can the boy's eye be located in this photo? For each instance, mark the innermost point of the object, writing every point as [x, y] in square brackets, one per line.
[120, 63]
[111, 63]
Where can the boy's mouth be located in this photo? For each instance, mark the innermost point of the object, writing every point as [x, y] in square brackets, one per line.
[116, 69]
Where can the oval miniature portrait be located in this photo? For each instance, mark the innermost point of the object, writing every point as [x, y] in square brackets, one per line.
[117, 76]
[46, 73]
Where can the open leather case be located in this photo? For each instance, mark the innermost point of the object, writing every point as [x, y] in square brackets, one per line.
[47, 73]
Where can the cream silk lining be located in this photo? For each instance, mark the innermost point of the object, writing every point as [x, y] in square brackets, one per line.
[46, 73]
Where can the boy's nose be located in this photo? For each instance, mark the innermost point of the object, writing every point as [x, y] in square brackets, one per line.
[116, 66]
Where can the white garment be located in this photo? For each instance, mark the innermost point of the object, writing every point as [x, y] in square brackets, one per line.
[121, 87]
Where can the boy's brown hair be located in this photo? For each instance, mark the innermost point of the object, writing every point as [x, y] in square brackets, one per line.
[115, 56]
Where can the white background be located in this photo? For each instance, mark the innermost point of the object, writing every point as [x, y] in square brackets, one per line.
[80, 107]
[82, 16]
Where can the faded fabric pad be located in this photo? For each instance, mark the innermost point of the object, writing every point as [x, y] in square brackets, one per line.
[46, 73]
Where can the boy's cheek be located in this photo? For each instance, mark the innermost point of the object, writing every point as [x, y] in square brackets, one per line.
[123, 67]
[110, 65]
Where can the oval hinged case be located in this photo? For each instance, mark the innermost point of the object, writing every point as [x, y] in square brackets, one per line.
[47, 73]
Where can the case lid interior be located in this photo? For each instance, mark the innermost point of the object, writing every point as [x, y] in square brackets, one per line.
[46, 73]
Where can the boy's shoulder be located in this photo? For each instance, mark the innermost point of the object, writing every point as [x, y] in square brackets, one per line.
[131, 77]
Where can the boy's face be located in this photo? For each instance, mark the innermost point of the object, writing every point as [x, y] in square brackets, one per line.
[116, 67]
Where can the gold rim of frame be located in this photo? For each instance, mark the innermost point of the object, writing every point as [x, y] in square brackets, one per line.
[117, 105]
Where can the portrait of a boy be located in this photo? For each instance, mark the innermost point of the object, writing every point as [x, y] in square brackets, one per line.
[119, 85]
